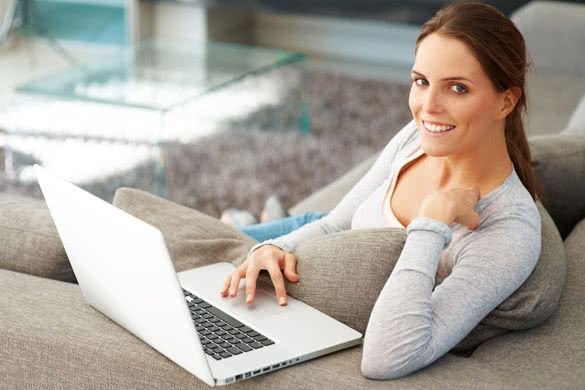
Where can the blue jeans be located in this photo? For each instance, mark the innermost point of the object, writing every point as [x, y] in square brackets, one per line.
[273, 229]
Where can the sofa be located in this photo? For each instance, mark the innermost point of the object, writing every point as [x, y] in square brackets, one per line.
[50, 338]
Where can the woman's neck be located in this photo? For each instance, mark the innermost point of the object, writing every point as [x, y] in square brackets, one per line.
[485, 168]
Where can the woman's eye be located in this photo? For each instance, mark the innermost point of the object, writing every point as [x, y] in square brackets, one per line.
[420, 81]
[458, 88]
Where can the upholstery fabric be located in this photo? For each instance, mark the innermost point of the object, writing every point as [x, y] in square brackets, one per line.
[559, 162]
[342, 274]
[29, 241]
[576, 125]
[193, 239]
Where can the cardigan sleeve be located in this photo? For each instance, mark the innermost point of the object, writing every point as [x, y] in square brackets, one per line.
[413, 323]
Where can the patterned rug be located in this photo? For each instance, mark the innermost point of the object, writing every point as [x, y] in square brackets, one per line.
[350, 120]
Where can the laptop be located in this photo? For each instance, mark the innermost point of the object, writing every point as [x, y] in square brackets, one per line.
[124, 271]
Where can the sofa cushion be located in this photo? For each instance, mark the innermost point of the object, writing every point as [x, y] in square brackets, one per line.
[559, 162]
[29, 241]
[193, 239]
[576, 125]
[66, 344]
[338, 275]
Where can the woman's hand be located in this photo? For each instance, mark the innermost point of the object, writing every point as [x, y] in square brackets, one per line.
[452, 205]
[270, 258]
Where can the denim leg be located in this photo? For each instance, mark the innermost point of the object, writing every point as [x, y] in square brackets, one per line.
[273, 229]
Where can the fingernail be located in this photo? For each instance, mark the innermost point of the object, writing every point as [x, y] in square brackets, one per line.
[249, 299]
[282, 301]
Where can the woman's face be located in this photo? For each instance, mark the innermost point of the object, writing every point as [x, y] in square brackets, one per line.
[449, 89]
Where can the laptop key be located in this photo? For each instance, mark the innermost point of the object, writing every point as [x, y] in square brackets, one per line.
[213, 329]
[215, 320]
[267, 342]
[208, 351]
[234, 350]
[243, 347]
[205, 305]
[253, 334]
[241, 335]
[225, 317]
[225, 354]
[255, 345]
[233, 331]
[260, 338]
[245, 329]
[225, 345]
[216, 357]
[247, 340]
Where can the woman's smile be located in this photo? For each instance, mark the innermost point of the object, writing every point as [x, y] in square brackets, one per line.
[437, 130]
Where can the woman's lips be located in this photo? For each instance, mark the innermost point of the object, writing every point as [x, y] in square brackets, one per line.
[437, 133]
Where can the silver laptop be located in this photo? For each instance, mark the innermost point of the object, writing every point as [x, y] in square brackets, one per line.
[124, 270]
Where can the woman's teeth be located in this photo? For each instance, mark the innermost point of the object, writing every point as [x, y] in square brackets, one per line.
[436, 128]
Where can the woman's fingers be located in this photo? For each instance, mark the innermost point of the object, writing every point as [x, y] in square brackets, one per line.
[251, 277]
[235, 279]
[471, 220]
[278, 282]
[226, 285]
[290, 267]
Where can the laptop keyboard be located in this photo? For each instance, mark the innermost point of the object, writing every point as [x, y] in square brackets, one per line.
[221, 335]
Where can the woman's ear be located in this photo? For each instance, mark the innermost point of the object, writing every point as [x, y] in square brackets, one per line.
[508, 102]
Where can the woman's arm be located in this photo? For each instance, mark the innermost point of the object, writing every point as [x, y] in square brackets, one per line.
[411, 325]
[340, 217]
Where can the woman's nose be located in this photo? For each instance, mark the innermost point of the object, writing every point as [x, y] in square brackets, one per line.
[432, 101]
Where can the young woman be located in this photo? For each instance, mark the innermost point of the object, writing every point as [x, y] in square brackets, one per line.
[457, 178]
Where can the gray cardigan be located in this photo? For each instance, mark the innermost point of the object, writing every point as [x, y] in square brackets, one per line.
[447, 278]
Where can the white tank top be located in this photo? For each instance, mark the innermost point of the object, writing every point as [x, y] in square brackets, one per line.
[375, 211]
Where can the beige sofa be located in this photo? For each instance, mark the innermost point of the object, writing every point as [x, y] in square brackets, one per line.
[50, 338]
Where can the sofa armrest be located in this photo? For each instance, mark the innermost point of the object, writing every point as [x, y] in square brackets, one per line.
[554, 34]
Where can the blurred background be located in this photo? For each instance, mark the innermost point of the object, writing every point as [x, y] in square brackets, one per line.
[212, 104]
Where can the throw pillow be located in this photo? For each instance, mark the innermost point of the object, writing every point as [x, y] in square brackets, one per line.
[559, 162]
[29, 241]
[338, 276]
[193, 239]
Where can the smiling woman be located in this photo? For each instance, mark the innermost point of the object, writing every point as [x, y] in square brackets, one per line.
[457, 178]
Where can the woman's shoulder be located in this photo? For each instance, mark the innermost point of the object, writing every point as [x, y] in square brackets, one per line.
[510, 200]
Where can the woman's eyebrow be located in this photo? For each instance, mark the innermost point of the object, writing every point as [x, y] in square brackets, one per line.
[446, 78]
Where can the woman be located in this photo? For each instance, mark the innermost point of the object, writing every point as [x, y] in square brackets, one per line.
[458, 178]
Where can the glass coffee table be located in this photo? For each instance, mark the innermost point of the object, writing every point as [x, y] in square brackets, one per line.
[109, 124]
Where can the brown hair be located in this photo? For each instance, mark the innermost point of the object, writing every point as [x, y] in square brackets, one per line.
[500, 49]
